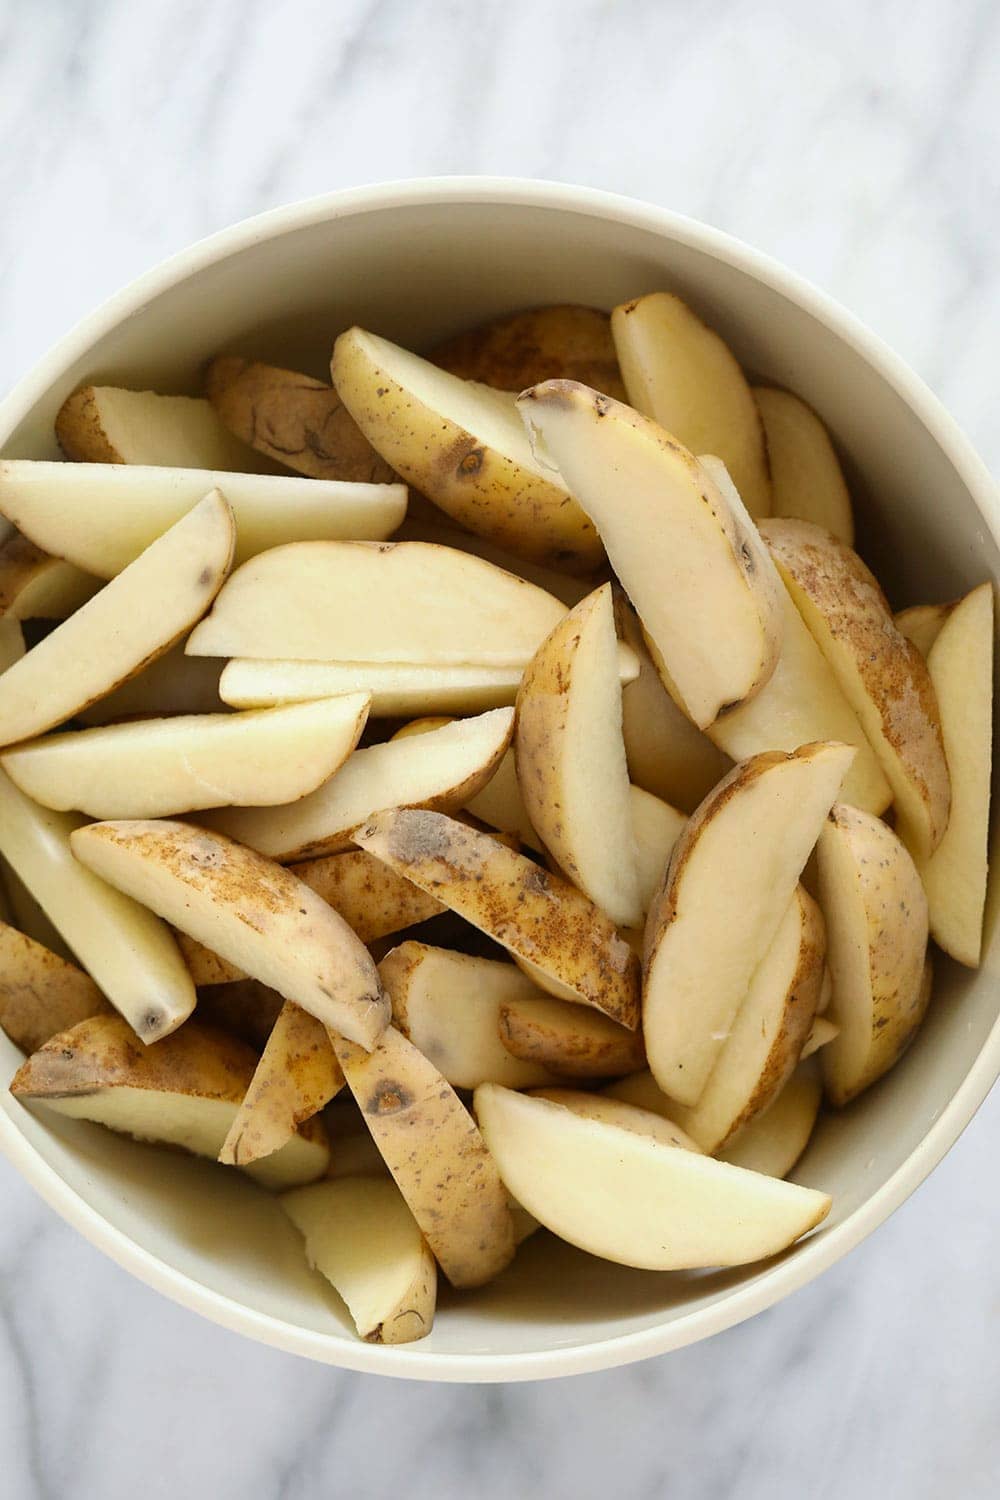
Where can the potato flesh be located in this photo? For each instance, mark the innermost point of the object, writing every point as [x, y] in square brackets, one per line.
[396, 688]
[172, 684]
[806, 478]
[774, 1142]
[572, 1040]
[613, 1111]
[107, 424]
[34, 586]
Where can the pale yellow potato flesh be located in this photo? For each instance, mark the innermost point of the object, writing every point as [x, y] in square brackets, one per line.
[774, 1142]
[807, 481]
[732, 875]
[41, 994]
[158, 767]
[128, 952]
[100, 516]
[688, 556]
[445, 769]
[172, 684]
[657, 826]
[768, 1034]
[961, 667]
[377, 601]
[876, 920]
[922, 624]
[436, 1155]
[35, 586]
[572, 1040]
[680, 372]
[248, 909]
[820, 1032]
[449, 1006]
[461, 444]
[133, 619]
[612, 1111]
[109, 425]
[361, 1236]
[372, 899]
[184, 1092]
[204, 966]
[534, 914]
[438, 529]
[629, 1198]
[570, 755]
[297, 1074]
[561, 342]
[881, 674]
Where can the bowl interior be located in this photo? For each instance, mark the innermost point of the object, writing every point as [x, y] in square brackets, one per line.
[417, 271]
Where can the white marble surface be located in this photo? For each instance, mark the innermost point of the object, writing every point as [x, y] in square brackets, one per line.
[861, 144]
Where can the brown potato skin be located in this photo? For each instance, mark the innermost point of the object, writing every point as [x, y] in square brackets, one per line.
[561, 342]
[42, 994]
[370, 897]
[571, 1040]
[297, 420]
[204, 966]
[80, 433]
[296, 1076]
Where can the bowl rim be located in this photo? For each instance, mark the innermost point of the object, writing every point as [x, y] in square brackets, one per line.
[815, 1254]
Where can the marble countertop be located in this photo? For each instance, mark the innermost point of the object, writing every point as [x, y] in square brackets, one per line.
[861, 145]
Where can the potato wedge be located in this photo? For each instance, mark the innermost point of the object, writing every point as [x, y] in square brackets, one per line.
[296, 1076]
[807, 481]
[960, 663]
[377, 602]
[361, 1236]
[449, 1006]
[688, 556]
[571, 1040]
[732, 875]
[371, 898]
[571, 758]
[126, 950]
[922, 624]
[881, 674]
[610, 1111]
[775, 1141]
[657, 826]
[876, 919]
[564, 342]
[204, 966]
[499, 804]
[157, 767]
[41, 994]
[462, 446]
[296, 420]
[630, 1198]
[679, 371]
[445, 769]
[100, 517]
[183, 1092]
[435, 1153]
[35, 586]
[133, 619]
[820, 1032]
[106, 424]
[172, 684]
[442, 532]
[396, 688]
[251, 911]
[768, 1034]
[510, 898]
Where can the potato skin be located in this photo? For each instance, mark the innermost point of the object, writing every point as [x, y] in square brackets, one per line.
[561, 342]
[296, 1076]
[571, 1040]
[42, 994]
[80, 431]
[299, 421]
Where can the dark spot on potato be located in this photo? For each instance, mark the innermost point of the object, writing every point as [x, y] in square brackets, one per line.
[388, 1099]
[602, 405]
[204, 577]
[472, 462]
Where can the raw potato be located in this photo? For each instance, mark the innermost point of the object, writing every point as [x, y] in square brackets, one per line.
[172, 684]
[806, 478]
[802, 703]
[565, 342]
[667, 754]
[436, 1155]
[571, 758]
[657, 827]
[183, 1092]
[922, 624]
[11, 641]
[294, 419]
[132, 620]
[252, 912]
[396, 688]
[371, 898]
[571, 1040]
[731, 878]
[101, 516]
[632, 1199]
[296, 1076]
[769, 1033]
[612, 1111]
[462, 446]
[444, 533]
[678, 371]
[157, 767]
[820, 1032]
[499, 804]
[377, 602]
[445, 769]
[127, 951]
[35, 586]
[688, 556]
[361, 1236]
[876, 919]
[775, 1141]
[534, 914]
[882, 675]
[204, 966]
[108, 425]
[961, 668]
[449, 1006]
[41, 994]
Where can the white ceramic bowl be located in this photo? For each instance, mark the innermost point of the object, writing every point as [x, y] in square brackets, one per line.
[417, 261]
